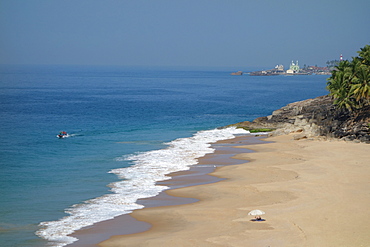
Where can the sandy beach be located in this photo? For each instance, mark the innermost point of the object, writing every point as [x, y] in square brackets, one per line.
[314, 193]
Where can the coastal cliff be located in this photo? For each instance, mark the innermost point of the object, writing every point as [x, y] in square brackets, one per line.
[313, 118]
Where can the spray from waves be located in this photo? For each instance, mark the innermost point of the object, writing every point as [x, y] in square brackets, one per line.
[138, 181]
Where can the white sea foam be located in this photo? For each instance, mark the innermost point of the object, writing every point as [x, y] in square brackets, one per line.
[138, 181]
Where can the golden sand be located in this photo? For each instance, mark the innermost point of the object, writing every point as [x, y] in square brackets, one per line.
[314, 193]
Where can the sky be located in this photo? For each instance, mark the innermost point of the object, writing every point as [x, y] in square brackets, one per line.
[207, 33]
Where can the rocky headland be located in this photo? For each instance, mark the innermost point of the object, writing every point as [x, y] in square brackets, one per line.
[317, 117]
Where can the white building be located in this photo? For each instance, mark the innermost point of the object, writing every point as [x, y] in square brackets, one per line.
[294, 68]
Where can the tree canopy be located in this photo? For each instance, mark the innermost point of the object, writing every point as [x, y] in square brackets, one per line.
[349, 83]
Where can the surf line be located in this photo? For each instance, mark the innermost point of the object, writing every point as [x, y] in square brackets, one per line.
[199, 174]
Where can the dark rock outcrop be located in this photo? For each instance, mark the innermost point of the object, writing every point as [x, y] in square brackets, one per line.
[316, 117]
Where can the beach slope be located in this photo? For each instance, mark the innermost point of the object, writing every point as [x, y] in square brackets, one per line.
[314, 193]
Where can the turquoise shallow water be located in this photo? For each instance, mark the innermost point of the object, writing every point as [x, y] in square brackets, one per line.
[117, 117]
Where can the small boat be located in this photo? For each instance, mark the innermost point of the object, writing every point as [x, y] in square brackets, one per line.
[62, 135]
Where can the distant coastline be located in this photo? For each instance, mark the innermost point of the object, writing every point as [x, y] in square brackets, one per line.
[294, 69]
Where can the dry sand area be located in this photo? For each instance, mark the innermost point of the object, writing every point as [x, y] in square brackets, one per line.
[314, 193]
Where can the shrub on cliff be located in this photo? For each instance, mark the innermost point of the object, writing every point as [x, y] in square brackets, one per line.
[349, 83]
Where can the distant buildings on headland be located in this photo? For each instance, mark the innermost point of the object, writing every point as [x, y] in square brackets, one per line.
[294, 69]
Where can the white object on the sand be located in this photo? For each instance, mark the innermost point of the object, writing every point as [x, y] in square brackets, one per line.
[137, 181]
[256, 212]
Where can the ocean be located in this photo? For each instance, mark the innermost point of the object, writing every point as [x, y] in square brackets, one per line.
[128, 127]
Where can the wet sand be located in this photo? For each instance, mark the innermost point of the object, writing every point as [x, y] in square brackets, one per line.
[314, 193]
[197, 175]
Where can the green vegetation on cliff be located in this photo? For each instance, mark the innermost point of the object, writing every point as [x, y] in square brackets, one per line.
[349, 83]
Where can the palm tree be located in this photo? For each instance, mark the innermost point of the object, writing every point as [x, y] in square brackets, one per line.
[349, 83]
[364, 55]
[361, 85]
[339, 85]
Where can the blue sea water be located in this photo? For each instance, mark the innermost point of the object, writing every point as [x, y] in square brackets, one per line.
[128, 127]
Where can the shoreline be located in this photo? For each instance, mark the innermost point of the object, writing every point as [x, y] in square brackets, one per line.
[197, 175]
[309, 190]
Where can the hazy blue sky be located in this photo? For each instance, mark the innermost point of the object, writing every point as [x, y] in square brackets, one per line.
[232, 33]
